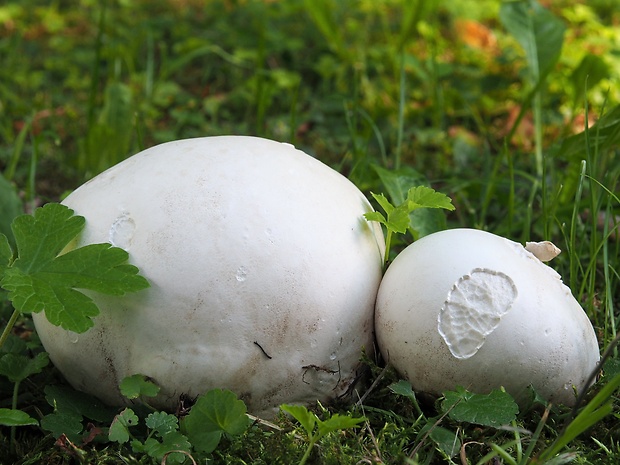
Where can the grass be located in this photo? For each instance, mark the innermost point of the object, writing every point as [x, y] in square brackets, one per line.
[441, 92]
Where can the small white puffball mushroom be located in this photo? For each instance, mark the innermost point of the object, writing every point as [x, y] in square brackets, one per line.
[263, 275]
[466, 307]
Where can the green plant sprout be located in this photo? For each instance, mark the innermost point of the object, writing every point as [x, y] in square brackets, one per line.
[398, 217]
[316, 428]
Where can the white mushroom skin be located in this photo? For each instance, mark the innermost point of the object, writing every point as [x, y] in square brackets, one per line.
[263, 275]
[466, 307]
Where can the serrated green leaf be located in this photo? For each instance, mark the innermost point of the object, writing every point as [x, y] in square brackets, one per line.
[426, 197]
[18, 367]
[306, 418]
[397, 183]
[63, 422]
[173, 441]
[10, 417]
[64, 307]
[375, 216]
[338, 422]
[138, 385]
[216, 412]
[383, 202]
[119, 429]
[42, 236]
[398, 219]
[494, 409]
[39, 279]
[162, 422]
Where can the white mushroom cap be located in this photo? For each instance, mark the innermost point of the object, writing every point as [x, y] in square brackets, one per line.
[466, 307]
[263, 275]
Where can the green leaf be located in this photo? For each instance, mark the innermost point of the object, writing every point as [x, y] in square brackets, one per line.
[538, 31]
[403, 388]
[18, 367]
[375, 216]
[14, 344]
[306, 418]
[172, 441]
[426, 197]
[590, 71]
[63, 422]
[10, 417]
[214, 413]
[39, 279]
[42, 236]
[383, 202]
[494, 409]
[136, 386]
[162, 422]
[119, 429]
[338, 422]
[446, 440]
[397, 217]
[65, 399]
[6, 253]
[397, 183]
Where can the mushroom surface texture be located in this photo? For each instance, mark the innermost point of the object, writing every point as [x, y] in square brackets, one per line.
[263, 275]
[468, 308]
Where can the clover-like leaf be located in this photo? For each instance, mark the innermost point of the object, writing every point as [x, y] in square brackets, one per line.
[119, 429]
[170, 444]
[138, 385]
[11, 417]
[214, 413]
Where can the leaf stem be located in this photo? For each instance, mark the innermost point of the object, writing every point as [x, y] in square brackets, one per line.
[9, 326]
[306, 455]
[14, 407]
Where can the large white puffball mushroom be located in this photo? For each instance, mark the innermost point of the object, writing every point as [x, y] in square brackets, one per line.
[466, 307]
[263, 275]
